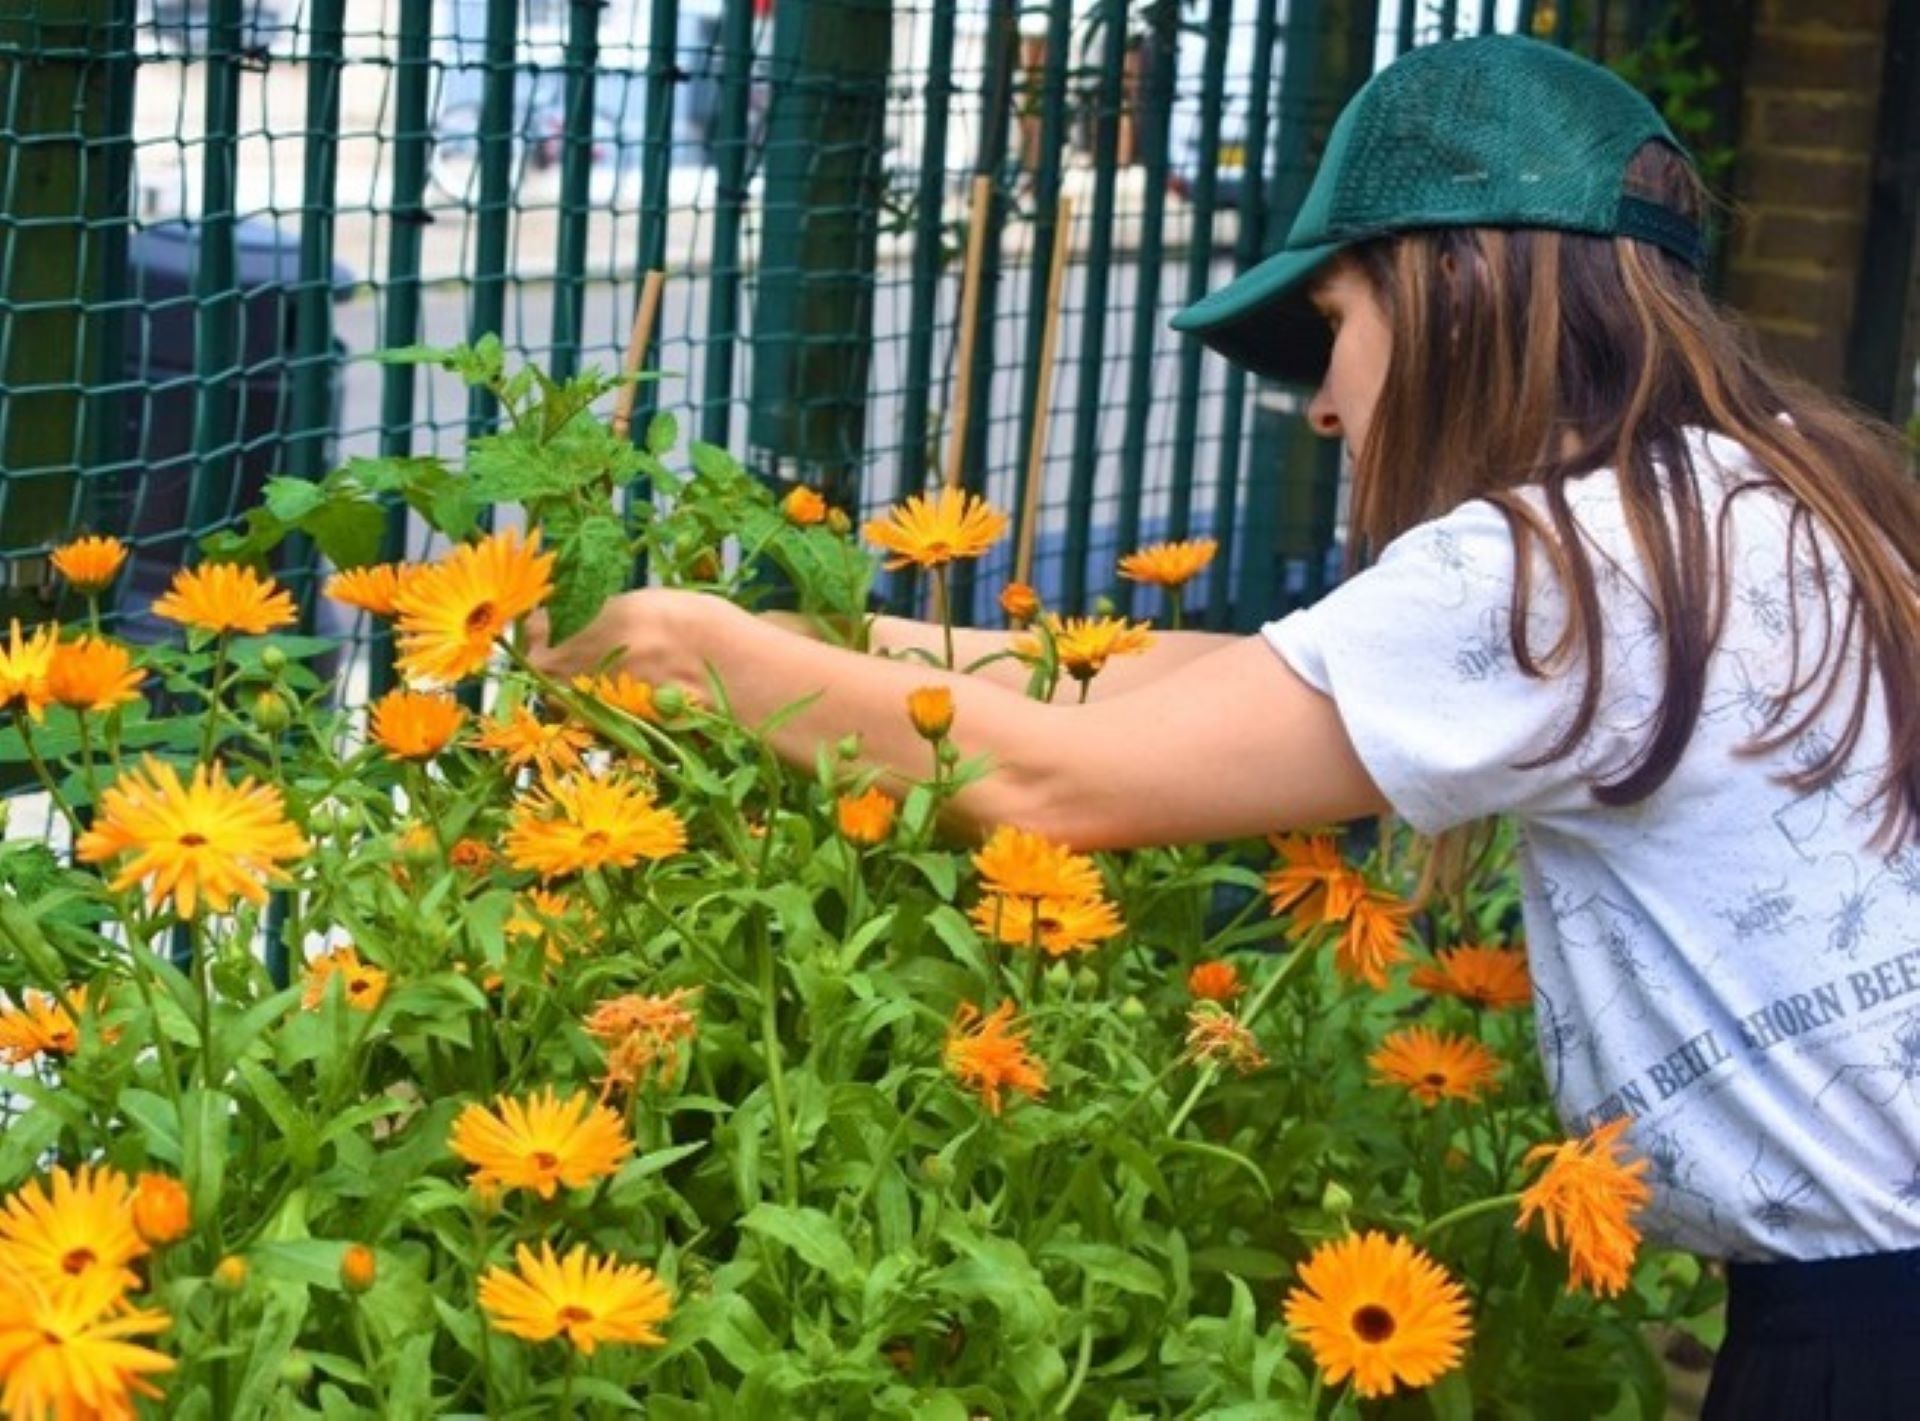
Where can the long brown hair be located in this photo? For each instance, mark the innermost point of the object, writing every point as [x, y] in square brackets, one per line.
[1532, 357]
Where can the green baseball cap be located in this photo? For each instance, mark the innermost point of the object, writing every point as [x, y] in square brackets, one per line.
[1496, 131]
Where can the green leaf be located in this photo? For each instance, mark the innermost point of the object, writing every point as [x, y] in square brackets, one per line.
[593, 565]
[157, 1121]
[205, 1117]
[662, 434]
[810, 1235]
[268, 1342]
[291, 499]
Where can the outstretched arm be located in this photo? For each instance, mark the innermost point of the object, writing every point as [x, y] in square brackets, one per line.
[1236, 745]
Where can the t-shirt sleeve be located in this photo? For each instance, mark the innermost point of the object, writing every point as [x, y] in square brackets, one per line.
[1417, 655]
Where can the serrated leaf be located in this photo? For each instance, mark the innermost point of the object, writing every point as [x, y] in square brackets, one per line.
[592, 565]
[810, 1235]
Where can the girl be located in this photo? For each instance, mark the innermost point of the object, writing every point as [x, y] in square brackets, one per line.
[1618, 580]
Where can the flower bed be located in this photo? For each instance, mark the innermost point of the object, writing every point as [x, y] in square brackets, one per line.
[622, 1068]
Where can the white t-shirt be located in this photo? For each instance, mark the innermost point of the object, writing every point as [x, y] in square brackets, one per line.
[1728, 962]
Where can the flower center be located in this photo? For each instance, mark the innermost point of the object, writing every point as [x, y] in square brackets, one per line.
[573, 1313]
[192, 840]
[480, 619]
[545, 1160]
[1434, 1079]
[78, 1260]
[594, 839]
[1373, 1323]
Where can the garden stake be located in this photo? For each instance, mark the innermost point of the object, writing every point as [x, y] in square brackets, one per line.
[637, 342]
[969, 318]
[1043, 393]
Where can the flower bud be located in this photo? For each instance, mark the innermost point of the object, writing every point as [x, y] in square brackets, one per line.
[931, 710]
[1336, 1199]
[1060, 977]
[949, 754]
[1104, 606]
[1086, 980]
[161, 1211]
[838, 521]
[271, 712]
[358, 1268]
[296, 1371]
[804, 506]
[936, 1169]
[273, 660]
[848, 747]
[706, 566]
[230, 1274]
[1132, 1009]
[1020, 602]
[669, 700]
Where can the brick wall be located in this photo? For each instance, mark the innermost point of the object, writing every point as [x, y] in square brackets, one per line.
[1811, 98]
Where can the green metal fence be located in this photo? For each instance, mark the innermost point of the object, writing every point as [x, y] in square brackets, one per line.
[211, 212]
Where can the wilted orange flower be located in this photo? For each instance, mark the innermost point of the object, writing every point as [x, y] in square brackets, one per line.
[1379, 1310]
[524, 739]
[1313, 882]
[1062, 925]
[1025, 865]
[804, 506]
[66, 1349]
[865, 819]
[932, 532]
[1374, 939]
[541, 1143]
[642, 1033]
[1215, 981]
[621, 690]
[1485, 976]
[362, 985]
[1218, 1037]
[988, 1055]
[92, 674]
[1169, 564]
[162, 1213]
[1435, 1066]
[585, 821]
[1084, 645]
[451, 613]
[41, 1024]
[225, 597]
[90, 564]
[371, 589]
[24, 664]
[204, 843]
[581, 1298]
[1586, 1198]
[415, 725]
[930, 708]
[470, 855]
[1020, 603]
[66, 1226]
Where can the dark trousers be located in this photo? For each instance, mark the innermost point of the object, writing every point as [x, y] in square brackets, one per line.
[1834, 1340]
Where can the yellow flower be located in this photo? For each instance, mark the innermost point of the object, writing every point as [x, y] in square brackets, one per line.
[1062, 925]
[1214, 982]
[162, 1212]
[542, 1143]
[1379, 1310]
[92, 674]
[1434, 1066]
[988, 1055]
[581, 1298]
[90, 564]
[1021, 864]
[451, 613]
[1217, 1037]
[225, 597]
[584, 822]
[1586, 1198]
[804, 506]
[25, 662]
[415, 725]
[1313, 882]
[932, 532]
[621, 690]
[1485, 976]
[1020, 603]
[66, 1351]
[865, 819]
[1084, 645]
[82, 1224]
[40, 1024]
[545, 918]
[204, 843]
[1169, 564]
[525, 739]
[371, 589]
[930, 708]
[642, 1033]
[1374, 939]
[362, 985]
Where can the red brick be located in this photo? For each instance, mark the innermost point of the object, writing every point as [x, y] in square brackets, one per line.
[1803, 60]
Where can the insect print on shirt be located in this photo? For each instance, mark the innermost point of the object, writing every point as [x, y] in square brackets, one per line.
[1897, 1070]
[1821, 810]
[1559, 1034]
[1775, 1201]
[1670, 1172]
[1488, 652]
[1745, 697]
[1906, 1194]
[1616, 931]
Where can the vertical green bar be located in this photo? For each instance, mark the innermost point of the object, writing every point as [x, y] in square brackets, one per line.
[216, 333]
[1404, 36]
[576, 178]
[1525, 22]
[500, 134]
[107, 228]
[730, 142]
[314, 365]
[1093, 336]
[1449, 18]
[656, 173]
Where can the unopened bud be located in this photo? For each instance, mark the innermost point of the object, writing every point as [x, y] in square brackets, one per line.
[1060, 977]
[848, 747]
[358, 1268]
[1336, 1199]
[838, 521]
[295, 1370]
[949, 754]
[669, 700]
[273, 660]
[1132, 1009]
[230, 1274]
[271, 711]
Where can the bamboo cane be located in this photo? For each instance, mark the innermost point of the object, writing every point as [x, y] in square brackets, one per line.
[969, 319]
[638, 340]
[1043, 392]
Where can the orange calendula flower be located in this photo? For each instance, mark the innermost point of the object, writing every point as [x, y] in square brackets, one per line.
[1374, 939]
[1217, 1037]
[1021, 864]
[25, 662]
[371, 589]
[541, 1143]
[1378, 1310]
[1057, 926]
[66, 1226]
[1313, 882]
[621, 690]
[1586, 1198]
[40, 1025]
[67, 1350]
[546, 918]
[203, 844]
[359, 1268]
[90, 564]
[362, 985]
[804, 506]
[225, 597]
[1084, 645]
[1215, 982]
[415, 725]
[1020, 603]
[1169, 564]
[585, 822]
[931, 710]
[92, 674]
[1485, 976]
[162, 1212]
[470, 855]
[865, 819]
[524, 739]
[642, 1034]
[451, 613]
[931, 532]
[580, 1298]
[1435, 1066]
[988, 1055]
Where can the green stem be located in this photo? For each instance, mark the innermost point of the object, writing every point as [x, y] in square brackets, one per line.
[1254, 1007]
[1083, 1357]
[368, 1358]
[202, 964]
[943, 611]
[45, 775]
[215, 698]
[566, 1383]
[892, 1142]
[1460, 1215]
[1175, 595]
[776, 1069]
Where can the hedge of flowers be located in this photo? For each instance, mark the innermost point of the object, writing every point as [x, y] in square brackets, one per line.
[518, 1048]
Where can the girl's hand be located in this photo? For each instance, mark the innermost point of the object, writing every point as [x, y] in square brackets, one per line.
[650, 633]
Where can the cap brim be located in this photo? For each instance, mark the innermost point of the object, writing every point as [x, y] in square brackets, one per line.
[1263, 320]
